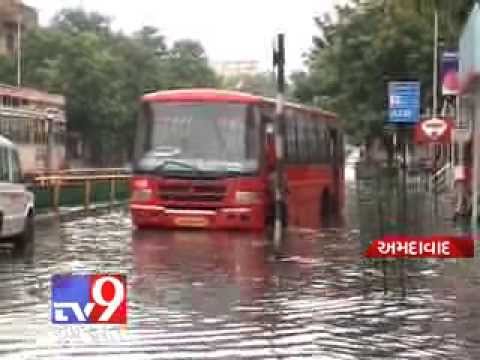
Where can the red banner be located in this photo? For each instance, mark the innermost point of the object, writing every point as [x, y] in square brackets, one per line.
[436, 246]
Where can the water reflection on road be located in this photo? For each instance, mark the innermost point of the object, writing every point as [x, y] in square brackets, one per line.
[197, 295]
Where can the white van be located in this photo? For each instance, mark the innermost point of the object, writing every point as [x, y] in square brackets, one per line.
[16, 202]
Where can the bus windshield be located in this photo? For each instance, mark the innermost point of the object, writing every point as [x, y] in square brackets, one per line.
[201, 137]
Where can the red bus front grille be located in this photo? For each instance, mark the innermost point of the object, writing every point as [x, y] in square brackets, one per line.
[192, 192]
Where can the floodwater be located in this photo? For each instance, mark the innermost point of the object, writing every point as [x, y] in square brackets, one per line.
[197, 295]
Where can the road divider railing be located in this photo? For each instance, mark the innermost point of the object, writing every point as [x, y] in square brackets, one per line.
[80, 188]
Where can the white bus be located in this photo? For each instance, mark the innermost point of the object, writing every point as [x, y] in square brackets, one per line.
[25, 116]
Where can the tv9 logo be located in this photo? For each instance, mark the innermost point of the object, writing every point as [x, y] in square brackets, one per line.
[89, 299]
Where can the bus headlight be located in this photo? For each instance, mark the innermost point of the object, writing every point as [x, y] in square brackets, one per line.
[248, 197]
[142, 194]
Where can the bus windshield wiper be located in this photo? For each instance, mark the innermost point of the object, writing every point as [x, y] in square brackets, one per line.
[176, 163]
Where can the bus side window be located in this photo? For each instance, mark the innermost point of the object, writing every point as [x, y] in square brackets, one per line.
[308, 144]
[312, 140]
[286, 141]
[4, 165]
[296, 139]
[318, 141]
[325, 138]
[327, 142]
[291, 140]
[341, 147]
[16, 171]
[267, 136]
[251, 133]
[306, 140]
[332, 145]
[300, 140]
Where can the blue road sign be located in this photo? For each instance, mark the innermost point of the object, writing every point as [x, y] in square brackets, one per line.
[404, 102]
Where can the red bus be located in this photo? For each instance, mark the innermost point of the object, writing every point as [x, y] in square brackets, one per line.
[203, 159]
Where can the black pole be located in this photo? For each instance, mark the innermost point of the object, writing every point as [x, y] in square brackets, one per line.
[279, 63]
[381, 219]
[404, 219]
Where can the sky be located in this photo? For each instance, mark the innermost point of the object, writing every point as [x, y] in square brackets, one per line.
[229, 30]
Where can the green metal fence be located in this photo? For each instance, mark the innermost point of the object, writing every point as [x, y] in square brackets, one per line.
[54, 193]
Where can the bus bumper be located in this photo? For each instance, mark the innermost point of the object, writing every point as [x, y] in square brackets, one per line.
[235, 218]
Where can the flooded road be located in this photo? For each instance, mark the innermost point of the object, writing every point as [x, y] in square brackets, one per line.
[195, 295]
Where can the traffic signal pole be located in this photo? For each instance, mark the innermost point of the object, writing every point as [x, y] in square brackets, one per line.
[279, 64]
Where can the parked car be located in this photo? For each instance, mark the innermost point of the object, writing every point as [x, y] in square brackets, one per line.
[16, 202]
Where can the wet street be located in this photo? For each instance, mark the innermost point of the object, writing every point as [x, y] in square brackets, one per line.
[195, 295]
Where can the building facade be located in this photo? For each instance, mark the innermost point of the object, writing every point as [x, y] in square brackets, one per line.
[236, 68]
[13, 13]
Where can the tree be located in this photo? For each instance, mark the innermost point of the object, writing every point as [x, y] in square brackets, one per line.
[354, 58]
[7, 70]
[452, 14]
[75, 21]
[186, 66]
[103, 73]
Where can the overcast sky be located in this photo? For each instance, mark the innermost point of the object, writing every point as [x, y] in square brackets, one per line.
[228, 29]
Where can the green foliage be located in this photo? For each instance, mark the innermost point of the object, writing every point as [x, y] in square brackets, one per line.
[8, 70]
[371, 43]
[452, 14]
[102, 73]
[186, 66]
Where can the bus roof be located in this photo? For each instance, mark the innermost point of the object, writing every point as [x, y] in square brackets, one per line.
[305, 108]
[216, 95]
[207, 95]
[33, 95]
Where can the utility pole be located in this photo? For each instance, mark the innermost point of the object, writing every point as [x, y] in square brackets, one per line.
[435, 65]
[279, 63]
[435, 94]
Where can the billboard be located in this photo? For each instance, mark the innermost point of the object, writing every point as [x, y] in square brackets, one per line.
[403, 102]
[449, 73]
